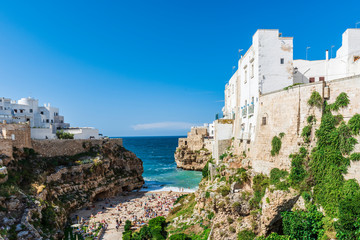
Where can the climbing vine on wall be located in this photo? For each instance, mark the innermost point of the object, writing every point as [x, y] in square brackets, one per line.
[315, 99]
[329, 160]
[276, 144]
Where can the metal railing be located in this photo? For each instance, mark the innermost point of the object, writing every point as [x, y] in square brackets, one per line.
[244, 112]
[251, 109]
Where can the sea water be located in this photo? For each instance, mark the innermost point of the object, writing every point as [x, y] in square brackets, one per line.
[160, 171]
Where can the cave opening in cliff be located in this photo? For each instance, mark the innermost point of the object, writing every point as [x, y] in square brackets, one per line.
[277, 227]
[101, 196]
[126, 189]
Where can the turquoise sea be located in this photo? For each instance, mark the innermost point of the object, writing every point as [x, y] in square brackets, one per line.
[160, 172]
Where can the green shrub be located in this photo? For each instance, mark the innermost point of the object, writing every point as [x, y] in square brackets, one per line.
[274, 236]
[180, 198]
[315, 99]
[232, 229]
[260, 183]
[207, 195]
[341, 101]
[236, 206]
[205, 170]
[281, 135]
[278, 179]
[224, 190]
[297, 171]
[230, 220]
[126, 235]
[127, 226]
[338, 119]
[311, 119]
[355, 157]
[64, 135]
[222, 156]
[354, 124]
[303, 224]
[306, 132]
[276, 145]
[246, 235]
[179, 236]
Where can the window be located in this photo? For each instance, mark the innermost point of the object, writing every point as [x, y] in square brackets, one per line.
[282, 61]
[245, 76]
[252, 100]
[21, 110]
[321, 78]
[15, 110]
[52, 121]
[31, 110]
[245, 103]
[312, 79]
[47, 120]
[42, 113]
[252, 70]
[263, 121]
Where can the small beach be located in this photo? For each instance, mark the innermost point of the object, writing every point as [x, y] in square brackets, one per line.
[138, 207]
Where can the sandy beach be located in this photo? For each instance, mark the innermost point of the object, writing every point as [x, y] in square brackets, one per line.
[138, 207]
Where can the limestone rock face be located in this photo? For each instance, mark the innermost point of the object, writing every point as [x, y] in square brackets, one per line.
[273, 204]
[60, 184]
[191, 160]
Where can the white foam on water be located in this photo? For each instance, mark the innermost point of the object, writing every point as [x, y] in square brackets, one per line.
[167, 189]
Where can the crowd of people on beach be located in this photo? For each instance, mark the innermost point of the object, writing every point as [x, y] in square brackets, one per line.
[139, 210]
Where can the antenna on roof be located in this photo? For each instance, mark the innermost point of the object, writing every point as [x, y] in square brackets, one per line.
[239, 53]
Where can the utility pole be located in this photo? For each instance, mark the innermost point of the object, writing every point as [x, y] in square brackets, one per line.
[307, 48]
[331, 50]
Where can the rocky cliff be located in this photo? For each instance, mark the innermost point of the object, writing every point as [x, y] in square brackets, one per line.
[42, 189]
[316, 197]
[188, 159]
[194, 151]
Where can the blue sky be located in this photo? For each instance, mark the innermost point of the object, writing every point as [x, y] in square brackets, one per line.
[136, 68]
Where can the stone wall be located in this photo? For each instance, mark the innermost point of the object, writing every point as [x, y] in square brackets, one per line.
[6, 147]
[195, 139]
[67, 147]
[14, 135]
[286, 111]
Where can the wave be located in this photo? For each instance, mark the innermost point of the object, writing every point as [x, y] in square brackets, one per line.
[164, 187]
[167, 189]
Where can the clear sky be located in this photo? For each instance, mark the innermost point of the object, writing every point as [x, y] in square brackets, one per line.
[148, 67]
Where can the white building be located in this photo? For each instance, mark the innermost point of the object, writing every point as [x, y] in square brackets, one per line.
[44, 120]
[345, 64]
[267, 66]
[229, 108]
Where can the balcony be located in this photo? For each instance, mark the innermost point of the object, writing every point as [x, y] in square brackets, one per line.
[244, 112]
[251, 109]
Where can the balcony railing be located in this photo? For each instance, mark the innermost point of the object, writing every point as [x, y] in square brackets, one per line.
[244, 112]
[251, 109]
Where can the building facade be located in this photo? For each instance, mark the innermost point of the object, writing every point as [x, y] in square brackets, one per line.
[345, 64]
[44, 121]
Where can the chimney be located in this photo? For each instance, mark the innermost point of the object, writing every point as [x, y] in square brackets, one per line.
[327, 55]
